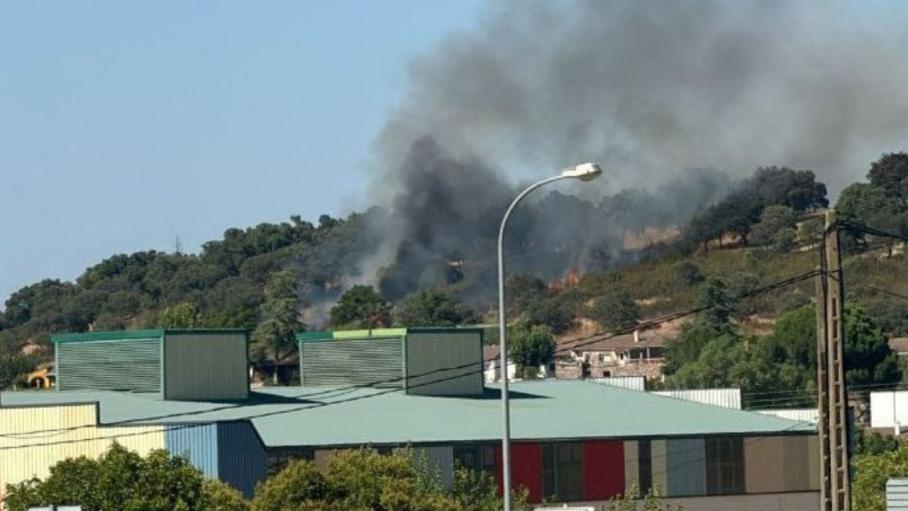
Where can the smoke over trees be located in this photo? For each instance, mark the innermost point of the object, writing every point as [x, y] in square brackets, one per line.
[647, 89]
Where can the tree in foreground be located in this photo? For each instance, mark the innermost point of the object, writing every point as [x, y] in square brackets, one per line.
[275, 338]
[123, 480]
[366, 481]
[531, 347]
[433, 307]
[361, 307]
[871, 473]
[652, 501]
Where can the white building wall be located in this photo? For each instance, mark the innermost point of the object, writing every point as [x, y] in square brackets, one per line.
[889, 408]
[624, 382]
[796, 414]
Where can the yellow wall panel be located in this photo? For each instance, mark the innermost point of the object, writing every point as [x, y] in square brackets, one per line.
[33, 439]
[631, 465]
[659, 454]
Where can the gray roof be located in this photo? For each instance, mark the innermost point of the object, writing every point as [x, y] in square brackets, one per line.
[318, 416]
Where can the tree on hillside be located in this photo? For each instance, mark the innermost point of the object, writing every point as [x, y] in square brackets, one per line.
[558, 312]
[531, 347]
[365, 480]
[121, 479]
[433, 307]
[275, 337]
[890, 174]
[869, 204]
[522, 291]
[776, 228]
[181, 315]
[361, 307]
[868, 357]
[615, 310]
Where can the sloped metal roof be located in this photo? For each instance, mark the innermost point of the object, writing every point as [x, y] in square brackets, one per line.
[544, 410]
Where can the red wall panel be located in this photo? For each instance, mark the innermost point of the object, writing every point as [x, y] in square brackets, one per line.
[526, 469]
[603, 469]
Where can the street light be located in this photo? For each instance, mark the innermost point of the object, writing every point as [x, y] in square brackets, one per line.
[583, 172]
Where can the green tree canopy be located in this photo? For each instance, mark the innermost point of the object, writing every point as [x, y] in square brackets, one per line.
[275, 338]
[871, 473]
[531, 346]
[364, 480]
[123, 480]
[776, 228]
[361, 307]
[615, 310]
[181, 315]
[890, 174]
[433, 307]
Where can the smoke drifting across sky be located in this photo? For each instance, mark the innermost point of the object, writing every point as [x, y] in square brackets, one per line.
[645, 88]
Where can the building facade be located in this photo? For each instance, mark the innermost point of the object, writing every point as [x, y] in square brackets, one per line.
[569, 444]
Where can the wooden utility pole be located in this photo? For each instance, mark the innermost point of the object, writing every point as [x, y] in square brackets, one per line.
[835, 484]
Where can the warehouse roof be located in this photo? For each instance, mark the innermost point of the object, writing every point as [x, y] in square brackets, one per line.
[117, 335]
[298, 416]
[377, 333]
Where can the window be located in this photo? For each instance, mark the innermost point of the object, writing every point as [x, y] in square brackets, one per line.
[724, 466]
[606, 374]
[655, 353]
[562, 471]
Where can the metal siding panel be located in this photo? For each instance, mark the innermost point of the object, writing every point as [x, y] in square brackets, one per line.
[813, 464]
[444, 363]
[197, 443]
[526, 469]
[726, 398]
[762, 459]
[795, 414]
[133, 365]
[439, 462]
[376, 362]
[686, 464]
[32, 455]
[795, 463]
[603, 469]
[242, 460]
[659, 465]
[206, 366]
[623, 382]
[631, 465]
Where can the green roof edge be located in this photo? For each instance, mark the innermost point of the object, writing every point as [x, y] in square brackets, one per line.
[125, 335]
[379, 333]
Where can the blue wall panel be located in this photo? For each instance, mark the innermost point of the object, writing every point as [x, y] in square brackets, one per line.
[198, 443]
[686, 467]
[243, 462]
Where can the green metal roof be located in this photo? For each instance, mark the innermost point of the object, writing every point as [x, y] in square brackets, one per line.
[376, 333]
[545, 410]
[124, 335]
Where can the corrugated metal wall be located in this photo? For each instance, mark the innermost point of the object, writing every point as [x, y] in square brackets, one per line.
[352, 362]
[624, 382]
[659, 459]
[242, 459]
[631, 465]
[726, 398]
[439, 461]
[133, 365]
[526, 469]
[29, 454]
[779, 464]
[444, 363]
[206, 366]
[794, 414]
[686, 467]
[897, 494]
[603, 469]
[196, 442]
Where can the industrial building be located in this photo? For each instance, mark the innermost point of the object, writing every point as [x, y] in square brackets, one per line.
[574, 441]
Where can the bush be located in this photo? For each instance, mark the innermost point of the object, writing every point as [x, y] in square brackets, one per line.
[688, 273]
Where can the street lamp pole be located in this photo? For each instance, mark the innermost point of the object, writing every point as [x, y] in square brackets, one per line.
[584, 172]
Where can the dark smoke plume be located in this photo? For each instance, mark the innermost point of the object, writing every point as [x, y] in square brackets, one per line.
[645, 88]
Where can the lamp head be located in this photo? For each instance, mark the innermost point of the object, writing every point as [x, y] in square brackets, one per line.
[583, 172]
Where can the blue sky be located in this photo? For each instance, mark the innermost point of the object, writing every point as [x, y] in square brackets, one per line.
[126, 124]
